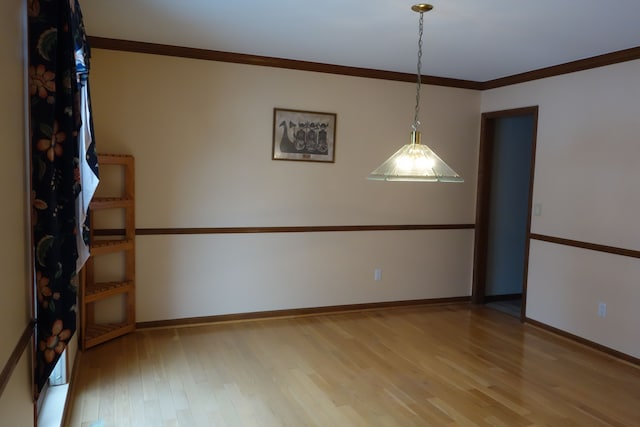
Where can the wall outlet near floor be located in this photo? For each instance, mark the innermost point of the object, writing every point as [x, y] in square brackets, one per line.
[377, 274]
[602, 309]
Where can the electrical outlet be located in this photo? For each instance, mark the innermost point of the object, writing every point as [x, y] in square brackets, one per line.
[377, 274]
[602, 309]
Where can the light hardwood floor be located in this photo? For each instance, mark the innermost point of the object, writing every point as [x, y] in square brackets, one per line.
[419, 366]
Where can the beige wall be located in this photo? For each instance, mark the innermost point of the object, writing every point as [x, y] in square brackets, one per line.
[16, 408]
[201, 133]
[586, 180]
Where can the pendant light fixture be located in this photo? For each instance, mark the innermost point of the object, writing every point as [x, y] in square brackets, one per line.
[414, 161]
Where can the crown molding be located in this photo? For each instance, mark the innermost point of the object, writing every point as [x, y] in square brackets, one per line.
[266, 61]
[566, 68]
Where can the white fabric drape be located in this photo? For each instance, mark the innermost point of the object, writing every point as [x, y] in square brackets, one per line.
[88, 179]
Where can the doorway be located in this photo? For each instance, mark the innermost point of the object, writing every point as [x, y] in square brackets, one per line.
[503, 212]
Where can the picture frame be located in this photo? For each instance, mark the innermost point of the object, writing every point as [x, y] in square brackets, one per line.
[308, 136]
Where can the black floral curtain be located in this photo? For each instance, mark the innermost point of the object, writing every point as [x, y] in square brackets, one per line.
[57, 80]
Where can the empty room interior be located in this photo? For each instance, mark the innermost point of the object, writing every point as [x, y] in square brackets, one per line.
[250, 258]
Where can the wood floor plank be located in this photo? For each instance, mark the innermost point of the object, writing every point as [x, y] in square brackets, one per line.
[417, 366]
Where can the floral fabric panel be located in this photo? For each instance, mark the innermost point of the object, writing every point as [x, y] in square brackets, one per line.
[55, 30]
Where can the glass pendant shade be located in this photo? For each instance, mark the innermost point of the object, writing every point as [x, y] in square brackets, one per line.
[414, 162]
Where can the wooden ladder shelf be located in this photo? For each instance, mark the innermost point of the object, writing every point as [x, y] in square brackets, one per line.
[104, 242]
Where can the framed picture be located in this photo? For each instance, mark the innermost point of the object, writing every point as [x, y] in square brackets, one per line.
[304, 135]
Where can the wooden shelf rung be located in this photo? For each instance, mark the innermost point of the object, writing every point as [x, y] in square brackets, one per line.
[100, 290]
[111, 203]
[102, 247]
[95, 334]
[115, 159]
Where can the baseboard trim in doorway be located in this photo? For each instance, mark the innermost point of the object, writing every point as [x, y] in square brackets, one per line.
[591, 344]
[298, 312]
[505, 297]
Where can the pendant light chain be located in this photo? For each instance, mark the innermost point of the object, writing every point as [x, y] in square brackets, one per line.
[416, 123]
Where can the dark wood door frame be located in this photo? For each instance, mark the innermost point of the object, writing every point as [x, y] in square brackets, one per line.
[485, 167]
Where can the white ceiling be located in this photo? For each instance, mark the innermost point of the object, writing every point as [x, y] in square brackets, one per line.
[464, 39]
